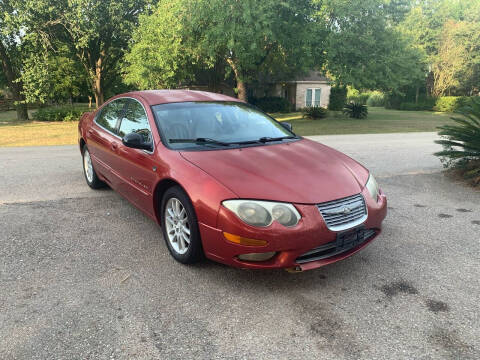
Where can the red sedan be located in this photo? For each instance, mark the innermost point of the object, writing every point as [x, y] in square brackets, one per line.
[226, 181]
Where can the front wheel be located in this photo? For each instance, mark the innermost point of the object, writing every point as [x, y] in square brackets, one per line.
[180, 227]
[90, 175]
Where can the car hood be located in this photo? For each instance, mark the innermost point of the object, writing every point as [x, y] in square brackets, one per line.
[301, 171]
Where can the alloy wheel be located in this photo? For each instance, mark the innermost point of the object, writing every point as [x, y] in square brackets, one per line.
[177, 226]
[87, 166]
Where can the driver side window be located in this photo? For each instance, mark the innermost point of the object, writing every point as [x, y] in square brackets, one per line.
[135, 120]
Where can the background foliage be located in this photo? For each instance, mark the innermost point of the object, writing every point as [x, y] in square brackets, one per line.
[413, 52]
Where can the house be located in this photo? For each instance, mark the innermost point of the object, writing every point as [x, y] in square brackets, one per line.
[312, 89]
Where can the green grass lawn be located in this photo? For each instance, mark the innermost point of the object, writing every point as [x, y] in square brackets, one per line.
[379, 120]
[34, 133]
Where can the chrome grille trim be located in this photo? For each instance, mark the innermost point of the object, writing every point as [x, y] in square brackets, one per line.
[344, 214]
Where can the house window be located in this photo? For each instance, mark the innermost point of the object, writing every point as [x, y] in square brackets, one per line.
[312, 97]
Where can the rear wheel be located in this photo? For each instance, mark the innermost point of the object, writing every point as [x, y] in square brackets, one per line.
[90, 175]
[180, 227]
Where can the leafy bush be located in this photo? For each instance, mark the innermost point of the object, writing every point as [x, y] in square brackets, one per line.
[356, 111]
[461, 141]
[272, 104]
[451, 103]
[338, 98]
[359, 99]
[411, 106]
[58, 113]
[314, 112]
[376, 99]
[401, 102]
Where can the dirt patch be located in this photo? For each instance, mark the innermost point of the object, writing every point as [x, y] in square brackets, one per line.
[397, 288]
[420, 206]
[436, 306]
[451, 342]
[464, 210]
[328, 329]
[445, 216]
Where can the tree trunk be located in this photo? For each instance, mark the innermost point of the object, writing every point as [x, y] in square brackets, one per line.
[241, 85]
[16, 87]
[98, 82]
[22, 112]
[417, 94]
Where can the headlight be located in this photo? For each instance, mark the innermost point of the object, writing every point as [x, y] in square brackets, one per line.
[372, 187]
[262, 213]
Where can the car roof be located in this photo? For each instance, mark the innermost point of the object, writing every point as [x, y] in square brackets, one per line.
[155, 97]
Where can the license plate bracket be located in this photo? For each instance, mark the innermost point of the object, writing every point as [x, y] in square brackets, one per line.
[349, 239]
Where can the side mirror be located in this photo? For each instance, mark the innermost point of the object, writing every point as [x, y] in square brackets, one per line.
[135, 141]
[287, 126]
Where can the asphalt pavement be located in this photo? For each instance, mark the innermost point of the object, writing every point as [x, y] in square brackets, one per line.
[85, 275]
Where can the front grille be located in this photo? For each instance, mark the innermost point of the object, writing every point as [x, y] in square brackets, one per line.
[344, 243]
[344, 213]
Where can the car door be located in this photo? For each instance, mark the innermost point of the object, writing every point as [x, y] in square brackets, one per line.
[136, 168]
[103, 139]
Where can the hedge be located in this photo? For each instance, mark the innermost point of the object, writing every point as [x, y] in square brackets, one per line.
[338, 98]
[58, 113]
[451, 103]
[272, 104]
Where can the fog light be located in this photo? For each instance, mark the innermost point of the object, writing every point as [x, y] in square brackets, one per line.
[257, 256]
[244, 241]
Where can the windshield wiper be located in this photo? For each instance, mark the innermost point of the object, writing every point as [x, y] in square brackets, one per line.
[199, 141]
[269, 139]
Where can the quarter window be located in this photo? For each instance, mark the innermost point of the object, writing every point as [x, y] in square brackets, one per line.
[312, 97]
[135, 120]
[110, 115]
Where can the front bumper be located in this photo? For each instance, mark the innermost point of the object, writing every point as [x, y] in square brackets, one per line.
[288, 243]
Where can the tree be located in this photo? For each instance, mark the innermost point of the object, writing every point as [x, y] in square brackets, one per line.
[247, 36]
[97, 32]
[363, 48]
[430, 26]
[11, 51]
[53, 77]
[457, 65]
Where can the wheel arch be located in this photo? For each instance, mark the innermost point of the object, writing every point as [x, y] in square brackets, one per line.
[82, 143]
[160, 189]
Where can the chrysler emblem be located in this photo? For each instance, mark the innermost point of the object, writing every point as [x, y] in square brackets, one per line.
[341, 211]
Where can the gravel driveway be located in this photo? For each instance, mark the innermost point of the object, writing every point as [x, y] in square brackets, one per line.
[84, 275]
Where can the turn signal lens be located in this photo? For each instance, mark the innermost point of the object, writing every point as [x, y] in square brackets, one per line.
[243, 241]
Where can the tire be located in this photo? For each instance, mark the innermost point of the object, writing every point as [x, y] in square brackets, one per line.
[180, 226]
[90, 175]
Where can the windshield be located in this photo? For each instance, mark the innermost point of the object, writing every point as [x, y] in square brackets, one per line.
[189, 125]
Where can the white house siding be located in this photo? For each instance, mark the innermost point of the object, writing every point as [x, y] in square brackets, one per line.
[302, 90]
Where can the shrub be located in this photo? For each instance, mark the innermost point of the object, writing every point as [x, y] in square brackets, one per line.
[58, 113]
[359, 99]
[356, 111]
[314, 112]
[450, 103]
[272, 104]
[461, 141]
[411, 106]
[376, 99]
[402, 103]
[338, 98]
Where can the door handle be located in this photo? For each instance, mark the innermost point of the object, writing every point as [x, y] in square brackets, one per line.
[114, 146]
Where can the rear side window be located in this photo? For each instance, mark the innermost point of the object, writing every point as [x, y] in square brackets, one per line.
[111, 114]
[135, 120]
